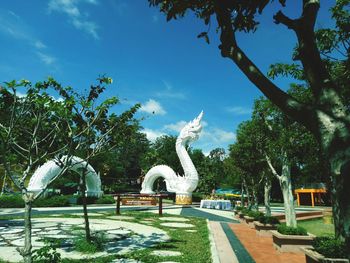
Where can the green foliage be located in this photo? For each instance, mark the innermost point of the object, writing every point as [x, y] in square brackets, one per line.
[330, 247]
[106, 199]
[164, 147]
[197, 197]
[54, 201]
[286, 230]
[94, 245]
[255, 214]
[286, 70]
[47, 254]
[11, 201]
[239, 208]
[268, 220]
[242, 13]
[89, 200]
[244, 211]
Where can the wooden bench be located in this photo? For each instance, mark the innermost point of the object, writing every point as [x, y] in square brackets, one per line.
[118, 198]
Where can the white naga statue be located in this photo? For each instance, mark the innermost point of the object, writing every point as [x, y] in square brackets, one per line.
[49, 171]
[184, 185]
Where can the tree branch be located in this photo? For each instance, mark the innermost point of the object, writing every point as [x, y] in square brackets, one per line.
[229, 48]
[268, 160]
[281, 18]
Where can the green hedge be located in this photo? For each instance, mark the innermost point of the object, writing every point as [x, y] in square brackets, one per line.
[239, 208]
[54, 201]
[255, 214]
[330, 247]
[268, 220]
[197, 197]
[16, 201]
[106, 199]
[286, 230]
[11, 201]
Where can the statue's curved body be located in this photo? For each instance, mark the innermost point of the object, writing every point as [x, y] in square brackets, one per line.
[51, 169]
[184, 185]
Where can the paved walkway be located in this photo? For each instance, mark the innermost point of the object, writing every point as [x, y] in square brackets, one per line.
[235, 242]
[261, 248]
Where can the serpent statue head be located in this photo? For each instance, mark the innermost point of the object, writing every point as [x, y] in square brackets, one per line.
[191, 131]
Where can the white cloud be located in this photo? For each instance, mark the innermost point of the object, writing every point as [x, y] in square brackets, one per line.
[213, 137]
[152, 135]
[77, 19]
[153, 107]
[39, 45]
[222, 136]
[177, 127]
[47, 59]
[217, 136]
[87, 26]
[12, 25]
[169, 92]
[237, 110]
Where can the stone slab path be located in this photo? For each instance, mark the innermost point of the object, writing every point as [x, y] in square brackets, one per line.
[122, 237]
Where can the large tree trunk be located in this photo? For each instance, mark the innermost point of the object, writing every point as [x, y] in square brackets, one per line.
[267, 196]
[288, 199]
[255, 205]
[286, 188]
[247, 191]
[340, 171]
[27, 250]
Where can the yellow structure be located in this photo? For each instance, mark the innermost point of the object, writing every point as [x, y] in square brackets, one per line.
[183, 199]
[315, 195]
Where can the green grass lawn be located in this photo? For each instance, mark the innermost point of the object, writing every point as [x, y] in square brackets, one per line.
[317, 227]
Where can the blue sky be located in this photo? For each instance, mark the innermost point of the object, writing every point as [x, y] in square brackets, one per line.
[157, 63]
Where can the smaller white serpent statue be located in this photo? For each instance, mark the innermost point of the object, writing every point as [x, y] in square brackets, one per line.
[184, 185]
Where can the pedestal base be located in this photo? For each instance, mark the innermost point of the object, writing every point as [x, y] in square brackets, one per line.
[183, 199]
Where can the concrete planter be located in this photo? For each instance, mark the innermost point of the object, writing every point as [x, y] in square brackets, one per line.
[312, 256]
[291, 243]
[249, 221]
[240, 216]
[264, 229]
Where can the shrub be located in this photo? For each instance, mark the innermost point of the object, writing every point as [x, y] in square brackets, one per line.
[255, 214]
[287, 230]
[54, 201]
[330, 247]
[89, 200]
[11, 201]
[268, 220]
[96, 244]
[47, 254]
[106, 199]
[239, 208]
[197, 197]
[245, 211]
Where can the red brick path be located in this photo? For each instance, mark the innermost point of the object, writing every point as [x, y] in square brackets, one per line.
[261, 248]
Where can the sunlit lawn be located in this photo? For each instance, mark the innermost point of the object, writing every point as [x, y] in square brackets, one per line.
[317, 227]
